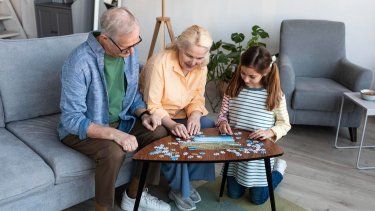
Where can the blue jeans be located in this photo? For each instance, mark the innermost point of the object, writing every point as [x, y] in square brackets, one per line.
[258, 195]
[180, 175]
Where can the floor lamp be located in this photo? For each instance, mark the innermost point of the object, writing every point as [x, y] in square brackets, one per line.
[159, 21]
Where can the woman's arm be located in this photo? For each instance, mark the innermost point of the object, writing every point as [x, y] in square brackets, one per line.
[198, 101]
[153, 86]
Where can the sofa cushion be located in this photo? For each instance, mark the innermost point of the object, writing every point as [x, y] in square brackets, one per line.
[30, 74]
[2, 124]
[41, 135]
[22, 171]
[319, 94]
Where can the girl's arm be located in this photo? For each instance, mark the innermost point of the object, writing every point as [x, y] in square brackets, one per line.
[282, 125]
[223, 115]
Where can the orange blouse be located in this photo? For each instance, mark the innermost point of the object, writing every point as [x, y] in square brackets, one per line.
[167, 91]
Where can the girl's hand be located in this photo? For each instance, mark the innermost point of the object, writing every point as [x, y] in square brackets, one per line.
[224, 127]
[179, 130]
[261, 135]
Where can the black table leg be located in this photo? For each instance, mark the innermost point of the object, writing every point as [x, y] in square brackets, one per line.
[141, 184]
[269, 181]
[225, 172]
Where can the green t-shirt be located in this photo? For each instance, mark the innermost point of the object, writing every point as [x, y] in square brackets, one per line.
[116, 85]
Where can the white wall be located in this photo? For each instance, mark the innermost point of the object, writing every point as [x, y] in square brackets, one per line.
[222, 17]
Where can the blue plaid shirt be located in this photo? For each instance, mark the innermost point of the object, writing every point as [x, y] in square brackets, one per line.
[84, 97]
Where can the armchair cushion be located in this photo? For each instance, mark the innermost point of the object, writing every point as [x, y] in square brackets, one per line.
[319, 94]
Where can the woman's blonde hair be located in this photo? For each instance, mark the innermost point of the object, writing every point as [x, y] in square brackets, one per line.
[194, 35]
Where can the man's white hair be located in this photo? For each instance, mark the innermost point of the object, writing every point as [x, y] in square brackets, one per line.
[117, 21]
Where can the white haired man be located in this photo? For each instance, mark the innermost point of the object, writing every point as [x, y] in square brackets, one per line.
[103, 114]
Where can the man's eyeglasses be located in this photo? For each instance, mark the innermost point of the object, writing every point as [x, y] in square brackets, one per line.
[125, 50]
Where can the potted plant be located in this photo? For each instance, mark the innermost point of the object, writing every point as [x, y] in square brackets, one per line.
[224, 58]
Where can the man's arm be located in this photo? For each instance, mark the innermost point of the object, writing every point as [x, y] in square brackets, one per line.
[73, 100]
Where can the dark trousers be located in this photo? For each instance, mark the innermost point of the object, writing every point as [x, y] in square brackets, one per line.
[258, 195]
[108, 157]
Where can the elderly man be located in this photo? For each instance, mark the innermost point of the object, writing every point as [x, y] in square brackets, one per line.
[103, 114]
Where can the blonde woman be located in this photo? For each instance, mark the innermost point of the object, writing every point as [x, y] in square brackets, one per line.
[173, 83]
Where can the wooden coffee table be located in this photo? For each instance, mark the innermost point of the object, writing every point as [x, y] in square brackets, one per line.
[206, 156]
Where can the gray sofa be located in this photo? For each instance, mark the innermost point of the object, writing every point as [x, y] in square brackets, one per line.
[38, 172]
[314, 72]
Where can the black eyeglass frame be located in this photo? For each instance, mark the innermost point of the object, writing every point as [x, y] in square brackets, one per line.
[126, 50]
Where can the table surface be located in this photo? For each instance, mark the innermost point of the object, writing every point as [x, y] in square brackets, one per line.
[357, 99]
[249, 150]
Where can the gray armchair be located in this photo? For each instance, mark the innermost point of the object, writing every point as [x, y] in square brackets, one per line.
[314, 73]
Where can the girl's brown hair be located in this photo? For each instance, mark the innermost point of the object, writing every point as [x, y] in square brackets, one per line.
[260, 59]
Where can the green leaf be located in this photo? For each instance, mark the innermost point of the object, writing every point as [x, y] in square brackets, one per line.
[215, 46]
[222, 58]
[229, 47]
[234, 55]
[262, 44]
[255, 28]
[237, 37]
[264, 35]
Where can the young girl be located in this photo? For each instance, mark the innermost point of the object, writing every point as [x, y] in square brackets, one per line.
[254, 101]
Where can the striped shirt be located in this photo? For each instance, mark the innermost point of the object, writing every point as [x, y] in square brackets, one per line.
[248, 111]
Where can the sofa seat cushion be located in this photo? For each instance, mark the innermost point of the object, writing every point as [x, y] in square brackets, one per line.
[22, 171]
[41, 135]
[319, 94]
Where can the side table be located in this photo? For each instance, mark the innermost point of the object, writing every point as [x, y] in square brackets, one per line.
[369, 108]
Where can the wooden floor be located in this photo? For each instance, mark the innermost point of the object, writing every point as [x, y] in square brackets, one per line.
[318, 176]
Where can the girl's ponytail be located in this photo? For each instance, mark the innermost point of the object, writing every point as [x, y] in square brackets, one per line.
[272, 83]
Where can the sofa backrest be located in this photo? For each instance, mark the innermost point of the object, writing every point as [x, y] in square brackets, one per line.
[314, 47]
[30, 72]
[2, 124]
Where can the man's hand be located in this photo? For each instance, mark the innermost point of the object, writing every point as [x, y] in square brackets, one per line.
[224, 127]
[151, 122]
[179, 130]
[126, 141]
[261, 134]
[194, 123]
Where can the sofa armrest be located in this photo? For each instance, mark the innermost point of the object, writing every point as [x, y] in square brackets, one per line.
[287, 75]
[353, 76]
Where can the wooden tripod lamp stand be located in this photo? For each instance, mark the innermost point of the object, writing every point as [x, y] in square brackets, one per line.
[159, 21]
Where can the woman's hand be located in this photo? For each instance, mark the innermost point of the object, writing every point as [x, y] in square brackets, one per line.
[194, 123]
[179, 130]
[224, 127]
[261, 134]
[151, 122]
